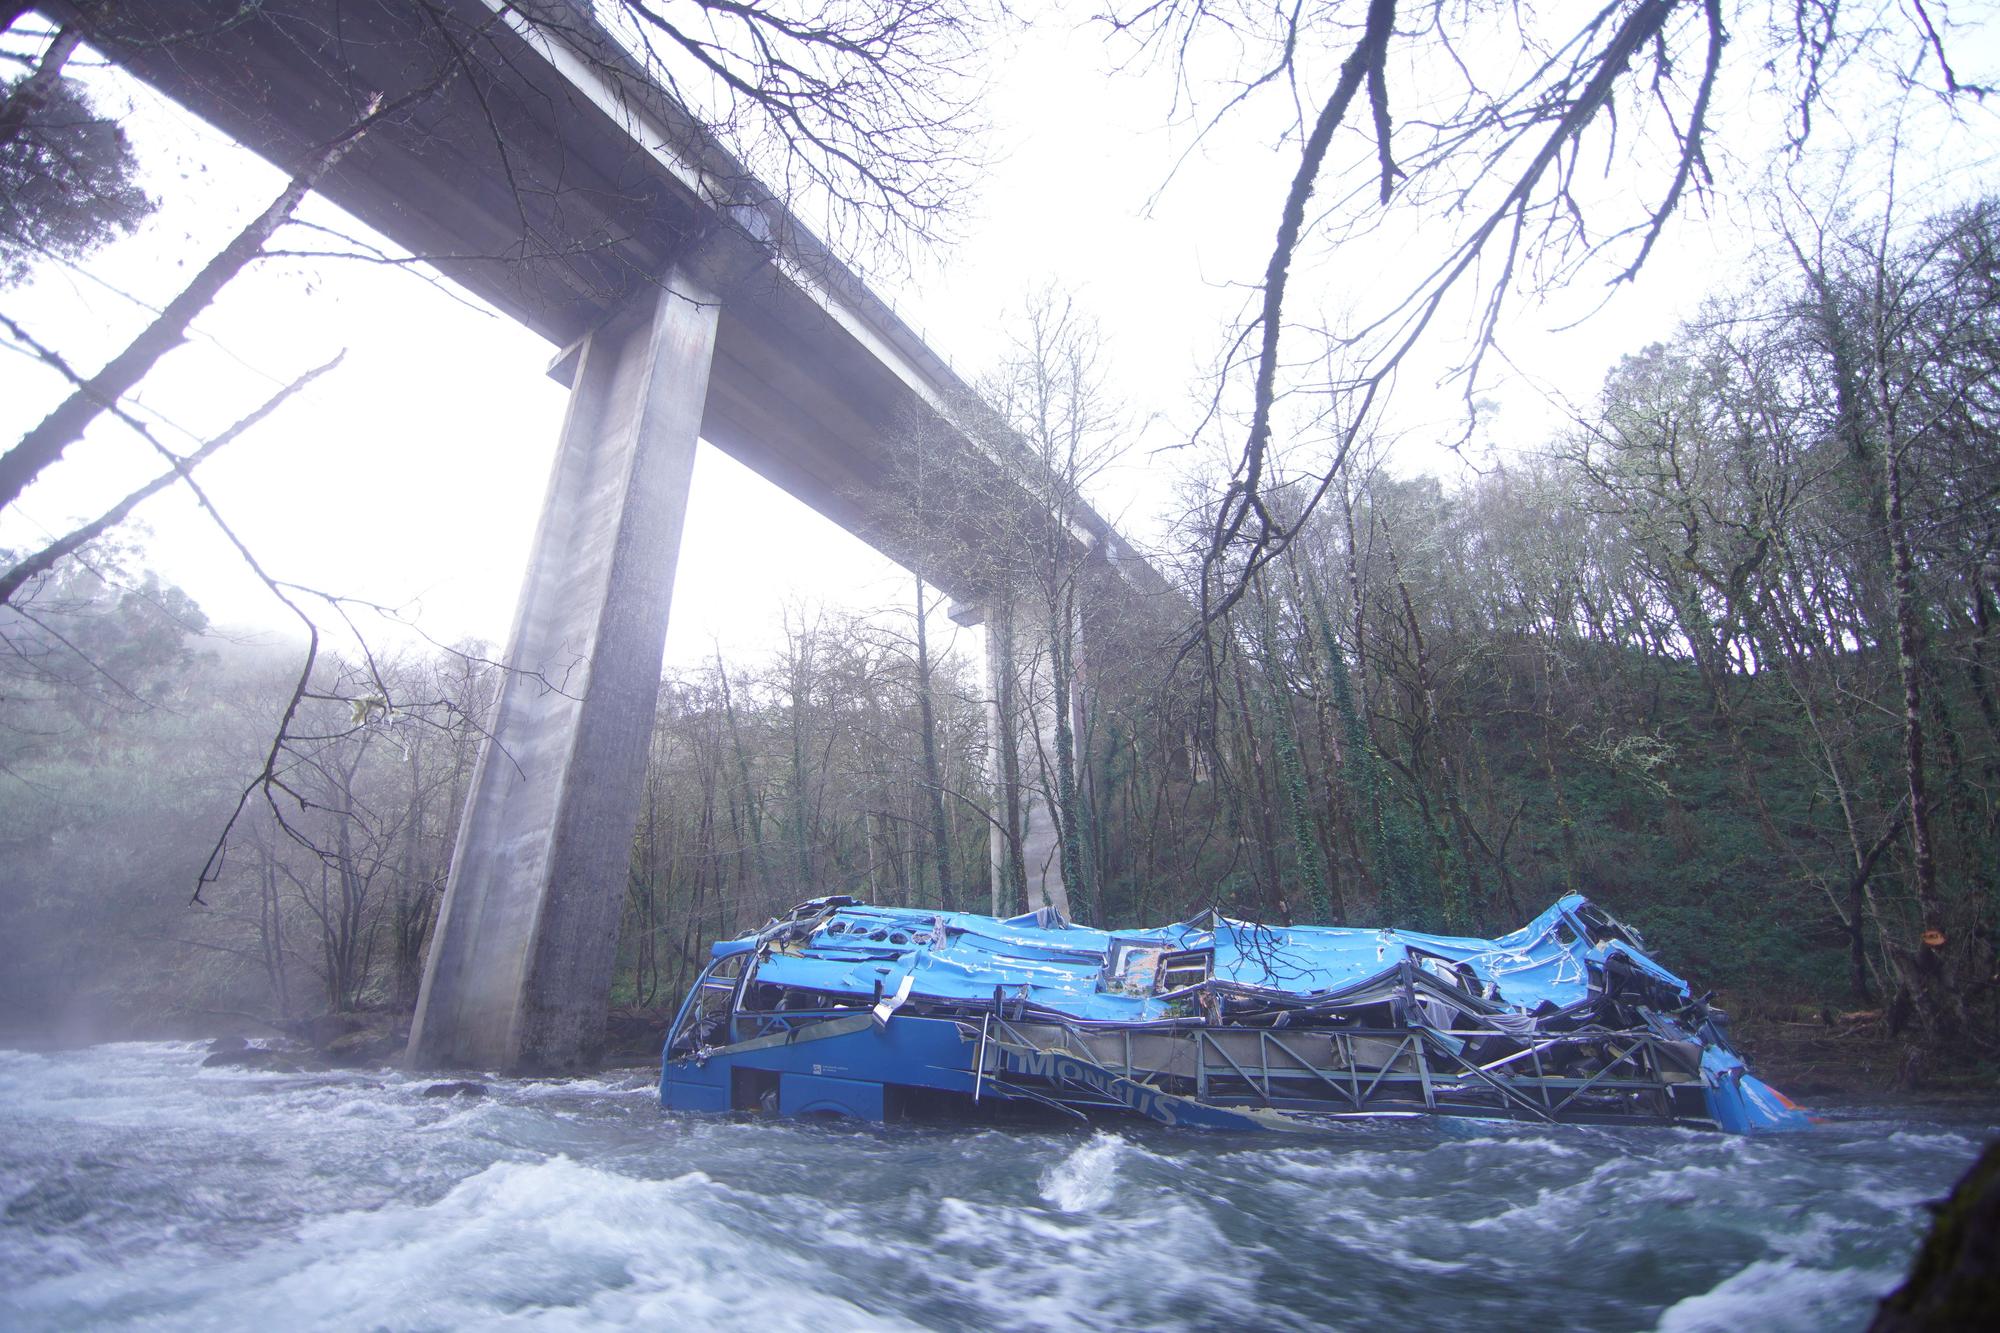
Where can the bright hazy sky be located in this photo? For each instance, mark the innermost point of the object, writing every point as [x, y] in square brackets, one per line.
[413, 475]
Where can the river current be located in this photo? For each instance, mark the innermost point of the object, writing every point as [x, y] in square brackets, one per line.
[138, 1189]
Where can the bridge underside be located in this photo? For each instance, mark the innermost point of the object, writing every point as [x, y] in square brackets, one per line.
[549, 178]
[539, 169]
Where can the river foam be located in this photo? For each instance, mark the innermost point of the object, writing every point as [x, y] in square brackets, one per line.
[140, 1190]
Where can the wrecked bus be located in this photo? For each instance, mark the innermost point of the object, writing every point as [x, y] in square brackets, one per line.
[884, 1013]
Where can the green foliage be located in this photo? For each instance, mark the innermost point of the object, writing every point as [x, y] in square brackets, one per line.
[1295, 793]
[1409, 895]
[1657, 661]
[66, 184]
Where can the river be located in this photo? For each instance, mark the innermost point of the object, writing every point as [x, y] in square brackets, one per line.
[141, 1190]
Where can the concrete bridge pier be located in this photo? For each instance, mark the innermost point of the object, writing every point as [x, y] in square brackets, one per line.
[526, 940]
[1018, 695]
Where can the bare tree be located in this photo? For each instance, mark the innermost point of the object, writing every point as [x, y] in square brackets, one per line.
[1011, 520]
[1518, 104]
[858, 113]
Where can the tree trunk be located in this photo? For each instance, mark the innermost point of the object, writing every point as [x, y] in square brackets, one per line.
[32, 93]
[1933, 1007]
[1013, 858]
[1069, 813]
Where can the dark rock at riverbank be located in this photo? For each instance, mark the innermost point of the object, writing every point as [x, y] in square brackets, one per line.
[236, 1053]
[1849, 1057]
[368, 1046]
[460, 1089]
[1955, 1282]
[355, 1040]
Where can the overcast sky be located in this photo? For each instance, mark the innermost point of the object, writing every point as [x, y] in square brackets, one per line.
[413, 475]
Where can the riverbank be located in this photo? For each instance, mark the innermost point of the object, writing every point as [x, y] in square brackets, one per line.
[1856, 1059]
[1810, 1057]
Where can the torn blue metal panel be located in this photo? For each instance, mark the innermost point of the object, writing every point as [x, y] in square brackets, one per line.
[1743, 1103]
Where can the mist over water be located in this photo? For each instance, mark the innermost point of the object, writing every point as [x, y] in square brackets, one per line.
[139, 1189]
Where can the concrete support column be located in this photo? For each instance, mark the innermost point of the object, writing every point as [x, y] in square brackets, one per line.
[520, 963]
[1018, 695]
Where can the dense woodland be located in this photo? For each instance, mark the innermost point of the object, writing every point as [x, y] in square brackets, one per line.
[1721, 654]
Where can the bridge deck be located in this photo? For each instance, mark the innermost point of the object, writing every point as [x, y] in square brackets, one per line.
[552, 179]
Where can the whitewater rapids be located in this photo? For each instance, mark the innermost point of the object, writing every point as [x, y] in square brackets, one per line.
[138, 1189]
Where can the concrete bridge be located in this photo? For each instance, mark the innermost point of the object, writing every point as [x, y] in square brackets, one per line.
[554, 179]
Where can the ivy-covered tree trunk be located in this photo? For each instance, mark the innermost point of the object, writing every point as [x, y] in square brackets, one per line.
[1069, 801]
[1012, 884]
[1307, 865]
